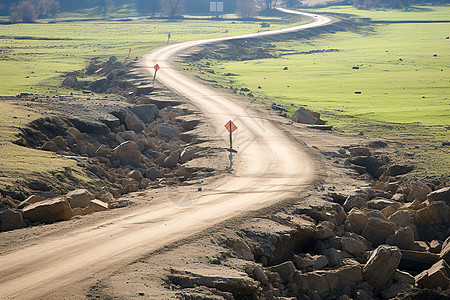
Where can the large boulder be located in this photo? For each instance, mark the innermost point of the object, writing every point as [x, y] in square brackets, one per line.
[325, 281]
[90, 126]
[95, 206]
[79, 198]
[128, 153]
[437, 213]
[11, 220]
[301, 116]
[396, 170]
[437, 276]
[403, 238]
[172, 160]
[354, 201]
[356, 221]
[168, 132]
[324, 231]
[419, 191]
[440, 195]
[372, 164]
[48, 211]
[286, 270]
[381, 266]
[377, 230]
[354, 246]
[147, 113]
[417, 261]
[381, 203]
[402, 218]
[70, 81]
[153, 174]
[133, 123]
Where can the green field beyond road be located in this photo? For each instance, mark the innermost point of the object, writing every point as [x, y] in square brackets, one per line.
[402, 72]
[32, 56]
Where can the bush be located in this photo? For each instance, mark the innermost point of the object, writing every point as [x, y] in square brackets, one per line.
[28, 11]
[24, 11]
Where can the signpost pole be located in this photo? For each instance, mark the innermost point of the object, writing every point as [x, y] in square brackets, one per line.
[231, 128]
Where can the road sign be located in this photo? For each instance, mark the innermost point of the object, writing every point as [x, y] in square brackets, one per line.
[230, 126]
[156, 67]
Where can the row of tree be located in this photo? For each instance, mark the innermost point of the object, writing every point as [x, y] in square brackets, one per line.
[30, 10]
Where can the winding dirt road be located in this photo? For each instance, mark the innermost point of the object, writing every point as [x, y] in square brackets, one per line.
[269, 168]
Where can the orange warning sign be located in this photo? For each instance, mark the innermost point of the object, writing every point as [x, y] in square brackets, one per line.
[230, 126]
[156, 67]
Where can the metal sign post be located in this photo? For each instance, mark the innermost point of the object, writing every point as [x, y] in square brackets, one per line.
[231, 128]
[156, 67]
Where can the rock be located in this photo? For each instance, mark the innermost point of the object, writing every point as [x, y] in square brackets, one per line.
[419, 191]
[381, 266]
[286, 271]
[168, 132]
[372, 164]
[359, 151]
[300, 116]
[302, 263]
[11, 220]
[396, 170]
[153, 174]
[95, 206]
[79, 198]
[128, 136]
[111, 121]
[128, 153]
[353, 246]
[437, 213]
[380, 203]
[356, 221]
[398, 197]
[75, 133]
[435, 247]
[437, 276]
[98, 84]
[34, 199]
[362, 295]
[241, 248]
[404, 277]
[90, 126]
[147, 113]
[132, 122]
[189, 124]
[260, 275]
[326, 281]
[440, 195]
[377, 230]
[187, 154]
[417, 261]
[136, 175]
[48, 211]
[144, 90]
[60, 141]
[319, 261]
[396, 289]
[387, 211]
[354, 201]
[70, 81]
[334, 257]
[324, 231]
[172, 160]
[403, 238]
[50, 146]
[402, 218]
[445, 252]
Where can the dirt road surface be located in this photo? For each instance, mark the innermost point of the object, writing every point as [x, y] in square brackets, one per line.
[269, 167]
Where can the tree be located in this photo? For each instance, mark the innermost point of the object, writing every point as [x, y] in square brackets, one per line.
[172, 8]
[24, 11]
[269, 4]
[246, 8]
[47, 8]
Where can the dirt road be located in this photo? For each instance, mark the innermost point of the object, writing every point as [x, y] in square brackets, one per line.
[269, 167]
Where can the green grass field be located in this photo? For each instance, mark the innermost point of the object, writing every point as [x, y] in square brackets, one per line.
[35, 65]
[399, 77]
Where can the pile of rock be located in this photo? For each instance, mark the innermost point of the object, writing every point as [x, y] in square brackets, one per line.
[36, 210]
[114, 78]
[376, 243]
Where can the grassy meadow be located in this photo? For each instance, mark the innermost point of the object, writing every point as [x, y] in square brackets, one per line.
[403, 75]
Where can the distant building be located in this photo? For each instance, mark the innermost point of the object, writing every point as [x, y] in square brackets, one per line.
[202, 6]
